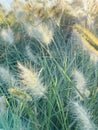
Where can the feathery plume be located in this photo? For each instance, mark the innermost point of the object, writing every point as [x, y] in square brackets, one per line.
[7, 35]
[90, 6]
[90, 9]
[94, 58]
[32, 81]
[30, 55]
[51, 3]
[82, 116]
[41, 32]
[6, 76]
[80, 82]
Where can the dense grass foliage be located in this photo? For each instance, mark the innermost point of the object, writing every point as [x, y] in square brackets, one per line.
[48, 70]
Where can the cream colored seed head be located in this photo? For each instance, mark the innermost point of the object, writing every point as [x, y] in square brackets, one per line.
[32, 81]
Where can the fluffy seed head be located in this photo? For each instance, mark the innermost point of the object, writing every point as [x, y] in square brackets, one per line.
[32, 81]
[30, 55]
[6, 76]
[7, 35]
[79, 80]
[80, 83]
[40, 32]
[82, 116]
[94, 58]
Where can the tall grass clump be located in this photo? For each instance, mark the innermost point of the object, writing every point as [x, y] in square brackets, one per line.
[48, 65]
